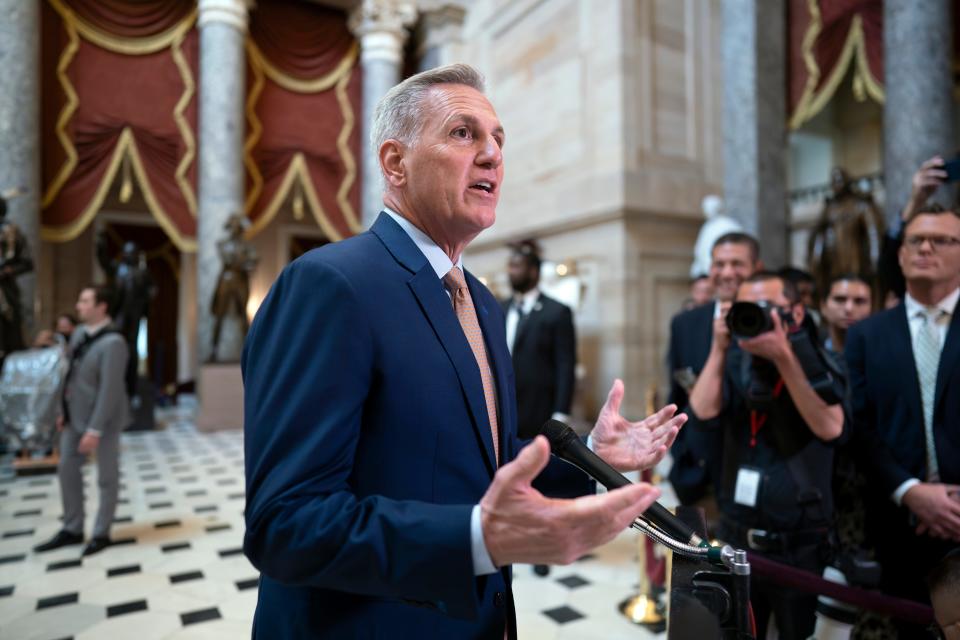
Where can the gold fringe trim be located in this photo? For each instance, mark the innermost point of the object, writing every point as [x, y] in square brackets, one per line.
[126, 148]
[291, 83]
[812, 101]
[296, 172]
[172, 38]
[339, 78]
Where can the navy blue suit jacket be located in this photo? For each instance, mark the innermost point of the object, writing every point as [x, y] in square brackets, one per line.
[888, 413]
[367, 445]
[697, 451]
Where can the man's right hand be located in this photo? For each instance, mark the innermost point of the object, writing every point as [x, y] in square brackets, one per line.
[935, 507]
[925, 181]
[59, 423]
[522, 525]
[721, 332]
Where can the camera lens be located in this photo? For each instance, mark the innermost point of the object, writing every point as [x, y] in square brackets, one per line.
[748, 319]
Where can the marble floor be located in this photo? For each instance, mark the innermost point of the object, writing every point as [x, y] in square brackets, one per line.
[177, 571]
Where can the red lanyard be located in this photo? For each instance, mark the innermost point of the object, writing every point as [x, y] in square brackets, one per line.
[757, 419]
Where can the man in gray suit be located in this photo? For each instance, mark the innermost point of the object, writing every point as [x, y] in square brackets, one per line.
[95, 411]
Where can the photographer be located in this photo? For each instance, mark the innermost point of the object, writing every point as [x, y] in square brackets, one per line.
[775, 494]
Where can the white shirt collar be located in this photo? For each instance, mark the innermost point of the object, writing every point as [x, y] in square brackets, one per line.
[528, 299]
[436, 256]
[947, 305]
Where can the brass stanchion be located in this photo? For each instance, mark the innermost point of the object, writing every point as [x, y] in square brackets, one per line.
[645, 609]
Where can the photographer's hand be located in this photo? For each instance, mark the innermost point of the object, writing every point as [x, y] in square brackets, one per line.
[706, 396]
[925, 181]
[824, 420]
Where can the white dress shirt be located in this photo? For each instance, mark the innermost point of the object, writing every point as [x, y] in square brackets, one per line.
[526, 301]
[915, 321]
[441, 263]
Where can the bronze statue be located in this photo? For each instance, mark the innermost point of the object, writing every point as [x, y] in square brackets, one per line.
[847, 237]
[239, 259]
[14, 261]
[133, 288]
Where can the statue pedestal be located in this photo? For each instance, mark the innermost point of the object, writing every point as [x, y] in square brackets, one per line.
[221, 397]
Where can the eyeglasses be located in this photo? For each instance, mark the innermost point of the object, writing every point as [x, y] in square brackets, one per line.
[936, 242]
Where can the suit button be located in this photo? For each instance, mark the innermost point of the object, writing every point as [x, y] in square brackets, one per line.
[498, 599]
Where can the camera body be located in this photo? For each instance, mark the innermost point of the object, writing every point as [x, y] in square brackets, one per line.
[750, 319]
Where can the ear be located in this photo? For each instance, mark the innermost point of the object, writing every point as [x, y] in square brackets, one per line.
[758, 265]
[902, 254]
[391, 163]
[798, 312]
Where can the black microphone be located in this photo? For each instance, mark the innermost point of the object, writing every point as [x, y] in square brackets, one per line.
[567, 445]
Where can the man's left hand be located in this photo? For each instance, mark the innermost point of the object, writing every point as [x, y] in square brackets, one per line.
[88, 443]
[632, 446]
[771, 345]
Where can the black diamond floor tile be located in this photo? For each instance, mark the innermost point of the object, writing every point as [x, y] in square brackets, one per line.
[64, 564]
[226, 553]
[196, 492]
[203, 615]
[34, 496]
[27, 513]
[206, 508]
[56, 601]
[175, 546]
[126, 607]
[563, 615]
[237, 496]
[161, 505]
[123, 571]
[122, 520]
[572, 582]
[150, 477]
[18, 534]
[186, 577]
[252, 583]
[6, 591]
[217, 527]
[153, 490]
[166, 524]
[187, 479]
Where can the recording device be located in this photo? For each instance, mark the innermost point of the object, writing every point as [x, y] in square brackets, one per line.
[567, 445]
[750, 319]
[952, 168]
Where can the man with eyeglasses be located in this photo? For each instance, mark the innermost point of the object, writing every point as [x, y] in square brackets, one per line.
[944, 583]
[905, 379]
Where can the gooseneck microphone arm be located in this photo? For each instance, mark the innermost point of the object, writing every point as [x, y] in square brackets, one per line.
[567, 445]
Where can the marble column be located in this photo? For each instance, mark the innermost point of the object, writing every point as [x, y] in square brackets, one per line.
[439, 32]
[381, 27]
[918, 80]
[20, 133]
[754, 121]
[223, 28]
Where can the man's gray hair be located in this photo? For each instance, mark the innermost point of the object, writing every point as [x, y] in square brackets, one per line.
[398, 114]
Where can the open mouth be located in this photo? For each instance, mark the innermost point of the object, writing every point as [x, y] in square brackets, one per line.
[484, 186]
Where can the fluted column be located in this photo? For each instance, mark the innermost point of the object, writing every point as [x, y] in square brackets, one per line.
[20, 132]
[381, 28]
[223, 28]
[918, 80]
[439, 32]
[754, 120]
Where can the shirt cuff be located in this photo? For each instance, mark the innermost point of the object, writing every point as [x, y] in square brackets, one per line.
[902, 490]
[482, 562]
[93, 432]
[561, 416]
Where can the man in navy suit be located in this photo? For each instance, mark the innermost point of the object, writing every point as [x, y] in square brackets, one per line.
[696, 456]
[387, 493]
[905, 379]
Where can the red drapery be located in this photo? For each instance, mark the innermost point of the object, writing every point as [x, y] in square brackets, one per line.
[119, 86]
[303, 137]
[826, 37]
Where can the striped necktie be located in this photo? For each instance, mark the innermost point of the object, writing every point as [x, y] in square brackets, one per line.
[928, 361]
[467, 315]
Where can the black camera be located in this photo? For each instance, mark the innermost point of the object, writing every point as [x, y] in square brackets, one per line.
[750, 319]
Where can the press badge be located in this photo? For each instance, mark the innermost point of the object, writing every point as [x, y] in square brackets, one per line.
[748, 487]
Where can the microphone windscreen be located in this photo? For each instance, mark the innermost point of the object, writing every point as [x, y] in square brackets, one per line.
[558, 434]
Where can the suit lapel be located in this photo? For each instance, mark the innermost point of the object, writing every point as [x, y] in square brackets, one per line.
[523, 326]
[436, 306]
[948, 356]
[901, 347]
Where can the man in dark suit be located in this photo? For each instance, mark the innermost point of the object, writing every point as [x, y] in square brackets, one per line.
[387, 493]
[696, 454]
[542, 343]
[905, 378]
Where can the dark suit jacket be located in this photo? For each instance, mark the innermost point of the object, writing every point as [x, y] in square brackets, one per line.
[544, 358]
[367, 444]
[889, 436]
[697, 450]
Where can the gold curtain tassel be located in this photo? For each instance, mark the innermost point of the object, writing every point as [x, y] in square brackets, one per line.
[126, 186]
[859, 90]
